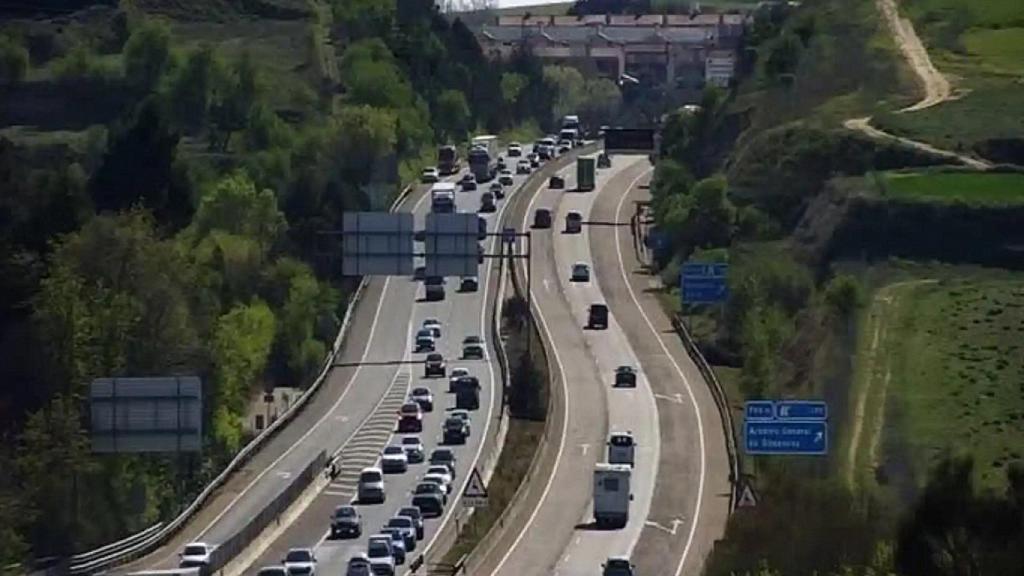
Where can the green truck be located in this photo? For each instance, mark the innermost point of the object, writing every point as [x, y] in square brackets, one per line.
[585, 174]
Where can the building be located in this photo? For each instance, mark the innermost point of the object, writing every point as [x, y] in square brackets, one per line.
[269, 406]
[674, 50]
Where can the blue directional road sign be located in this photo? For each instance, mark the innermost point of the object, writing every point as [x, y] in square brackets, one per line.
[759, 410]
[801, 410]
[785, 437]
[704, 282]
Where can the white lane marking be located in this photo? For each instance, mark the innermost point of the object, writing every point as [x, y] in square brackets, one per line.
[677, 398]
[362, 359]
[313, 428]
[689, 390]
[675, 524]
[490, 405]
[565, 415]
[584, 447]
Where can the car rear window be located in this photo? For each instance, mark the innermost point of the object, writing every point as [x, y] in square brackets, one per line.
[373, 476]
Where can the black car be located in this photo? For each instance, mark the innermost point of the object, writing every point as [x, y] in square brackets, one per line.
[346, 523]
[625, 377]
[434, 365]
[468, 183]
[556, 183]
[542, 218]
[469, 284]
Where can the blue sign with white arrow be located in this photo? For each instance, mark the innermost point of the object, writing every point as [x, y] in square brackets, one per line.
[786, 437]
[704, 282]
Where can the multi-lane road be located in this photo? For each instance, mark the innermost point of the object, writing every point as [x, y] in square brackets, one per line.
[354, 415]
[680, 481]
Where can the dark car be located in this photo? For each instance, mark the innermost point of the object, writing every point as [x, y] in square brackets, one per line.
[597, 317]
[497, 189]
[345, 522]
[556, 182]
[468, 183]
[410, 417]
[454, 431]
[473, 348]
[469, 284]
[434, 365]
[487, 203]
[542, 218]
[625, 377]
[417, 518]
[443, 456]
[429, 499]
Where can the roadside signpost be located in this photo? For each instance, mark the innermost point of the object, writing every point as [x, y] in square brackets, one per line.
[475, 493]
[704, 282]
[158, 414]
[786, 427]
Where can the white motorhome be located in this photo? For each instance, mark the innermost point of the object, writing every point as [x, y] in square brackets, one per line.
[611, 494]
[483, 157]
[621, 448]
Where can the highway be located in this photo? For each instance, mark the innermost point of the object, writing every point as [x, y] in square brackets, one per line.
[355, 409]
[680, 492]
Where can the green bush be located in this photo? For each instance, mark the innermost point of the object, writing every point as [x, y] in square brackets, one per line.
[13, 61]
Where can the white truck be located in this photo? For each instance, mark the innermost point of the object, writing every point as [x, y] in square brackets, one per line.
[571, 129]
[483, 157]
[442, 197]
[611, 495]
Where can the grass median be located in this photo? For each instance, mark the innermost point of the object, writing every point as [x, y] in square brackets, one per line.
[527, 399]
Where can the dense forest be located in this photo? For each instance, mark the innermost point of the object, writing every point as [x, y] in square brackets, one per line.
[180, 238]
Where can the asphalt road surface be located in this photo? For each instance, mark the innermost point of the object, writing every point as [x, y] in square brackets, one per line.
[680, 483]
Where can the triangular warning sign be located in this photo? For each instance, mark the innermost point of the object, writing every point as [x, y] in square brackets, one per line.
[748, 499]
[475, 487]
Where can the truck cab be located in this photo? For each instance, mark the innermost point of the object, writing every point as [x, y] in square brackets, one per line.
[467, 393]
[442, 198]
[621, 448]
[612, 495]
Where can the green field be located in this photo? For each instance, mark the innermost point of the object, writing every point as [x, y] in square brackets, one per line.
[943, 361]
[995, 189]
[979, 46]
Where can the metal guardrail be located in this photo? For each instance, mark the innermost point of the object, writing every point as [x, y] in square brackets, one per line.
[721, 401]
[140, 544]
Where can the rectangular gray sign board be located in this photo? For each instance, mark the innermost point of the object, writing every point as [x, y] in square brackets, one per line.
[376, 244]
[159, 414]
[452, 245]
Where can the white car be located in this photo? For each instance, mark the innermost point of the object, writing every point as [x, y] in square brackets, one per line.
[394, 460]
[371, 486]
[195, 555]
[433, 325]
[359, 565]
[413, 449]
[515, 149]
[440, 481]
[523, 167]
[300, 562]
[505, 177]
[378, 550]
[430, 175]
[441, 470]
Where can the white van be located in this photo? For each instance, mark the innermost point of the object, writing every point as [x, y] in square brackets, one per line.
[612, 495]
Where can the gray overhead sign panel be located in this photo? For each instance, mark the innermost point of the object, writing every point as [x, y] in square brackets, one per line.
[161, 414]
[452, 244]
[376, 243]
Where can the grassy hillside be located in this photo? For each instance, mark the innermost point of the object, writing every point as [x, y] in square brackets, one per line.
[979, 45]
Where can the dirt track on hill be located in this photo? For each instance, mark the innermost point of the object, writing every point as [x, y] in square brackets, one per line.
[936, 86]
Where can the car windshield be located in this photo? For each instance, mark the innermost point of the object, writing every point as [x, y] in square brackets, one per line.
[411, 512]
[411, 441]
[427, 488]
[377, 549]
[420, 392]
[442, 456]
[456, 372]
[298, 556]
[195, 550]
[394, 451]
[370, 476]
[400, 522]
[345, 512]
[411, 409]
[621, 440]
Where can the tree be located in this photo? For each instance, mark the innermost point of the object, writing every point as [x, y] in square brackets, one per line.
[53, 440]
[602, 99]
[234, 101]
[372, 77]
[241, 344]
[147, 56]
[844, 294]
[192, 88]
[13, 60]
[451, 116]
[711, 222]
[783, 56]
[234, 206]
[568, 86]
[512, 86]
[141, 167]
